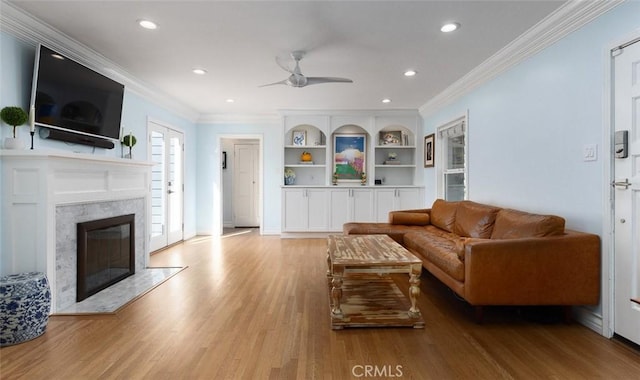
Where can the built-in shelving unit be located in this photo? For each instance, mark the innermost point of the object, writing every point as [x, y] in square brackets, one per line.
[313, 203]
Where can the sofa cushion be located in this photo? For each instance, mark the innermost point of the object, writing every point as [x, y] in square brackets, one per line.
[396, 232]
[409, 218]
[475, 220]
[514, 224]
[443, 214]
[440, 248]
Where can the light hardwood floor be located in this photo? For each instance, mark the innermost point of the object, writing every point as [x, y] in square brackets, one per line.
[252, 307]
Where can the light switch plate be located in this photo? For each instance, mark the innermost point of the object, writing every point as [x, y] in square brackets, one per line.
[590, 152]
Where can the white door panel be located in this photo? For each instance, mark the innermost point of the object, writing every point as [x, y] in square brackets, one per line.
[245, 185]
[627, 197]
[167, 192]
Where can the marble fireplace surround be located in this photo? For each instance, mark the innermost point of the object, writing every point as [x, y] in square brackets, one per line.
[45, 193]
[67, 217]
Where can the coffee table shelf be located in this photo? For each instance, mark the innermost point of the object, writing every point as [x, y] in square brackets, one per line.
[361, 294]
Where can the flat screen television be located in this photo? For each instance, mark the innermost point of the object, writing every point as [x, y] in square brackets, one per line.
[71, 97]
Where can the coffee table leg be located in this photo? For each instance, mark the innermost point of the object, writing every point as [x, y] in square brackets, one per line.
[336, 295]
[414, 290]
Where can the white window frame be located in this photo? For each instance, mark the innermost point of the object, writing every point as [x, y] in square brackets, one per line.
[441, 154]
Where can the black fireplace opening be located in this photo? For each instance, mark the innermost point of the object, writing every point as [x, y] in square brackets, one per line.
[106, 253]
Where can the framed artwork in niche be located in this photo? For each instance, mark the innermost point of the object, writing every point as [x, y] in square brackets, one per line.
[349, 157]
[299, 138]
[390, 138]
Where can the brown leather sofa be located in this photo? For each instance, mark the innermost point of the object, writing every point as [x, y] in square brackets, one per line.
[497, 256]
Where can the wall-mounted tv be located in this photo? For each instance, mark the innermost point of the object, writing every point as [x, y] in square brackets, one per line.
[70, 97]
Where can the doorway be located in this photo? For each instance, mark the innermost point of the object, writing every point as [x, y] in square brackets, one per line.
[166, 151]
[626, 190]
[241, 182]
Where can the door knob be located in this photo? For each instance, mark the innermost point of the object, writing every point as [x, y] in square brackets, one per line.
[624, 183]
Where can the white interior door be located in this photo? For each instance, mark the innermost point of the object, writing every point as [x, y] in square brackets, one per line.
[166, 150]
[627, 195]
[246, 185]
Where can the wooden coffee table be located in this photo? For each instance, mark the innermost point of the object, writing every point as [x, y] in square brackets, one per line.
[361, 293]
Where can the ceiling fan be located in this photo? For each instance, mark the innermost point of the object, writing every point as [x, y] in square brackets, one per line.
[296, 79]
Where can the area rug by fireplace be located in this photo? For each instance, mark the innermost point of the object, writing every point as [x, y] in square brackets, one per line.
[115, 297]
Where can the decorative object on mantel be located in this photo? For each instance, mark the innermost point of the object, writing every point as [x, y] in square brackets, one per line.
[129, 141]
[13, 116]
[363, 179]
[334, 179]
[306, 158]
[289, 176]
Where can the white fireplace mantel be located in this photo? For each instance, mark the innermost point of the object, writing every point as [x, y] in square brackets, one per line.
[34, 183]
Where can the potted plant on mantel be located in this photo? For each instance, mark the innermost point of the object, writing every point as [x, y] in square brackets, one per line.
[14, 116]
[129, 141]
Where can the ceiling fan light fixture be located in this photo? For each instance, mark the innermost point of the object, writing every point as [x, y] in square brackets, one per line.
[386, 100]
[410, 73]
[449, 27]
[147, 24]
[199, 71]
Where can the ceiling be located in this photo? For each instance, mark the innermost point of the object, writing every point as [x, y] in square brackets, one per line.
[370, 42]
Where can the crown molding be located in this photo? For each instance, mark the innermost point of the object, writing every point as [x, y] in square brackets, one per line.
[29, 29]
[565, 20]
[350, 112]
[267, 118]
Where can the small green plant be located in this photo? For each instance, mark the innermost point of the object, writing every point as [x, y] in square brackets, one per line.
[14, 116]
[129, 140]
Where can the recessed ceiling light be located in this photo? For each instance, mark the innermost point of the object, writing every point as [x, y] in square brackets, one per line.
[57, 56]
[410, 73]
[386, 100]
[449, 27]
[199, 71]
[147, 24]
[230, 100]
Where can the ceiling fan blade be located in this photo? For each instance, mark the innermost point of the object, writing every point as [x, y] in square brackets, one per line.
[319, 80]
[271, 84]
[283, 66]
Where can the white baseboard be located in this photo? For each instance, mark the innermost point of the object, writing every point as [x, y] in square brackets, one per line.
[307, 235]
[589, 319]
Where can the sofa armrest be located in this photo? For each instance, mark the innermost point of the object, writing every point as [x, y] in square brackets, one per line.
[554, 270]
[410, 217]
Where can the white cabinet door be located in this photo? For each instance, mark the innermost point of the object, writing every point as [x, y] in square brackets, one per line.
[305, 209]
[339, 200]
[391, 199]
[385, 202]
[351, 205]
[296, 214]
[362, 205]
[407, 198]
[317, 209]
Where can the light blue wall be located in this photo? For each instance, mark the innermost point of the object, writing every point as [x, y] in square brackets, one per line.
[16, 71]
[528, 127]
[209, 168]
